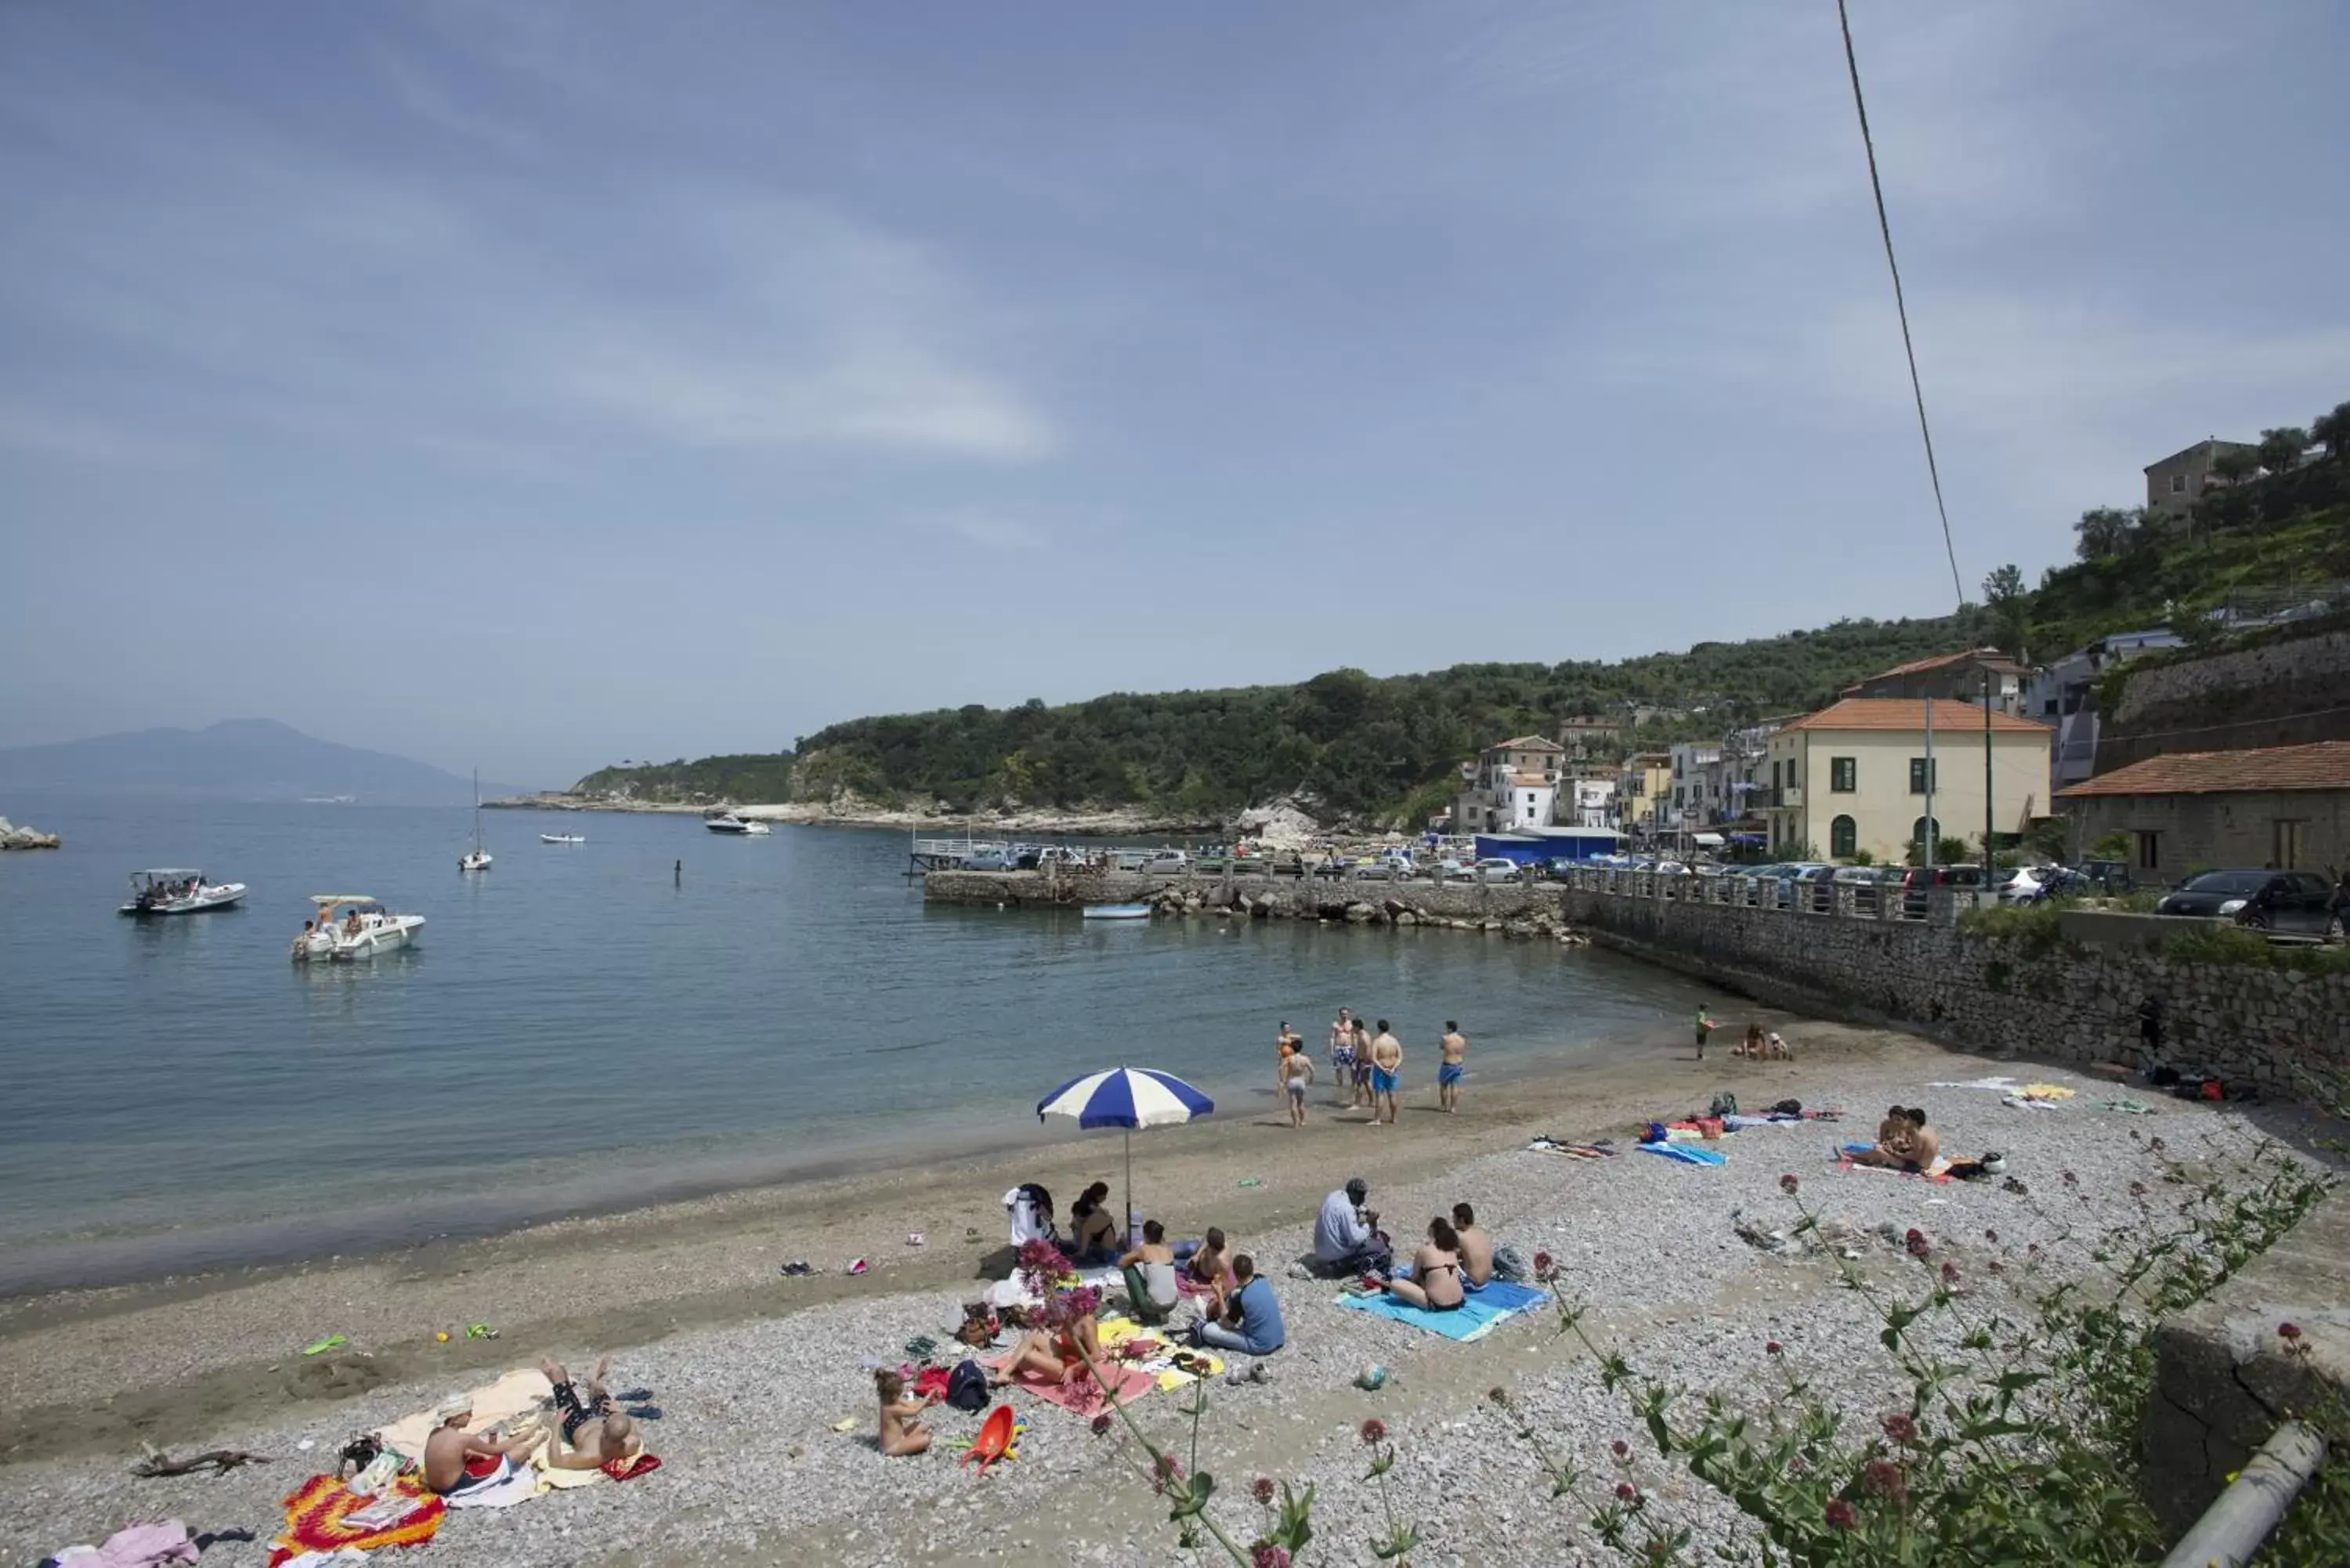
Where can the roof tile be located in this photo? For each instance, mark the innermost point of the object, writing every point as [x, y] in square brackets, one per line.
[2323, 765]
[1909, 713]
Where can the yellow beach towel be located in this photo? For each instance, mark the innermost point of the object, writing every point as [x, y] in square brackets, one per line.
[499, 1403]
[2045, 1091]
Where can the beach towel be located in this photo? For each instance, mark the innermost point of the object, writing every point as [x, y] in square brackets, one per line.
[1688, 1154]
[1118, 1333]
[1939, 1172]
[1474, 1319]
[551, 1479]
[165, 1545]
[324, 1515]
[520, 1485]
[1083, 1395]
[496, 1405]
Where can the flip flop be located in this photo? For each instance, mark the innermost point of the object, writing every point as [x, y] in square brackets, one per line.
[644, 1412]
[332, 1342]
[634, 1396]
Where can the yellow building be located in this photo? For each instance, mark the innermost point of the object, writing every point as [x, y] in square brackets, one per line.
[1644, 791]
[1852, 777]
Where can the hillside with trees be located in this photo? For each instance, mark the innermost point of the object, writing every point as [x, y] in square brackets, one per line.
[1365, 745]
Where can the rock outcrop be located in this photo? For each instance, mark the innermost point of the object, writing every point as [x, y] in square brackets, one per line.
[15, 838]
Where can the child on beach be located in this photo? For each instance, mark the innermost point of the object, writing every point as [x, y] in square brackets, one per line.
[902, 1433]
[1704, 1028]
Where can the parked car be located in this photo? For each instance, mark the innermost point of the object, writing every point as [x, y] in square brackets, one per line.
[2109, 876]
[987, 860]
[2295, 901]
[1166, 863]
[1917, 880]
[1495, 868]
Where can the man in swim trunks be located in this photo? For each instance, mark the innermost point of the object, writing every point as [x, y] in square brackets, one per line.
[1455, 1046]
[1476, 1246]
[457, 1462]
[1296, 1071]
[597, 1435]
[1386, 1074]
[1363, 1063]
[1342, 1054]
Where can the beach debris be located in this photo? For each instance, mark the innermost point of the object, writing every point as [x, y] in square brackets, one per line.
[1372, 1378]
[846, 1424]
[480, 1330]
[440, 1336]
[799, 1268]
[970, 1235]
[320, 1346]
[222, 1460]
[1250, 1181]
[858, 1266]
[915, 1238]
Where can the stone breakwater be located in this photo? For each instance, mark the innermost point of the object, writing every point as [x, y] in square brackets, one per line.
[1528, 912]
[2248, 1023]
[15, 838]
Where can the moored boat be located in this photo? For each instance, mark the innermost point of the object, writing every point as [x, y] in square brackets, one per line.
[1118, 911]
[563, 838]
[166, 891]
[478, 857]
[352, 926]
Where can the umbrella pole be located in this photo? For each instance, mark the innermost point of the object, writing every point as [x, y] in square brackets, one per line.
[1126, 1239]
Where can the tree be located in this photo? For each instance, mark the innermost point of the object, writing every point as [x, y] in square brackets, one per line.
[2333, 428]
[2235, 465]
[2003, 585]
[2102, 532]
[2281, 448]
[2009, 609]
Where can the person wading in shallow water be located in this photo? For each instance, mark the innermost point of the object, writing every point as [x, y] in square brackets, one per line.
[1386, 1074]
[1455, 1046]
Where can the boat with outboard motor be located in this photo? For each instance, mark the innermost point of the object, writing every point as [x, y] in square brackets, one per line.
[166, 891]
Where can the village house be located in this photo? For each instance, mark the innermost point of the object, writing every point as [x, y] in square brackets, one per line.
[1512, 784]
[2282, 806]
[1854, 777]
[1954, 677]
[2174, 484]
[1644, 792]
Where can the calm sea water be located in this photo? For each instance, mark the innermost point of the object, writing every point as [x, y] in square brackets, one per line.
[580, 1029]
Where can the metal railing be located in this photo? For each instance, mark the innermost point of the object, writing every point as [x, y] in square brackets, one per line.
[1873, 901]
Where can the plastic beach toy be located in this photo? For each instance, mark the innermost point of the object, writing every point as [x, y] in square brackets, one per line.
[1372, 1378]
[994, 1439]
[332, 1342]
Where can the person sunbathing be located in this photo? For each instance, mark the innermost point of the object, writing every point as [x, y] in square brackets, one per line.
[902, 1433]
[596, 1434]
[457, 1462]
[1476, 1247]
[1054, 1356]
[1149, 1272]
[1211, 1266]
[1435, 1283]
[1903, 1143]
[1095, 1228]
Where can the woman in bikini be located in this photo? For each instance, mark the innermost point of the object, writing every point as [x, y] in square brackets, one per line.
[902, 1433]
[1435, 1283]
[1211, 1266]
[1055, 1355]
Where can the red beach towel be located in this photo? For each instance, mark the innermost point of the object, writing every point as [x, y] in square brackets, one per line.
[318, 1510]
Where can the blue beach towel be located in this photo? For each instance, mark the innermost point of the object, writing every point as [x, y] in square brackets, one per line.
[1686, 1154]
[1474, 1320]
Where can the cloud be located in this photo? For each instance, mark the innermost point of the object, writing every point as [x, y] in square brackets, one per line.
[428, 102]
[995, 532]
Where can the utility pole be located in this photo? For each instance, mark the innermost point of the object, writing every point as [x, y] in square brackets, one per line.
[1988, 858]
[1932, 828]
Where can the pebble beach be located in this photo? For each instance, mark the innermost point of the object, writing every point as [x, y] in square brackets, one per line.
[753, 1372]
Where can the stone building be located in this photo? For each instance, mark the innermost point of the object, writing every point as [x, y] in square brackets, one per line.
[2178, 481]
[1953, 677]
[2285, 806]
[1512, 784]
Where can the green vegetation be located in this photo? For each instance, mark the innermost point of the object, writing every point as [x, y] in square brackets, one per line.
[1388, 747]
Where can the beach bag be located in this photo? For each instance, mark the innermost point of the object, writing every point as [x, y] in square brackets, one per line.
[1788, 1108]
[967, 1386]
[1510, 1264]
[1725, 1103]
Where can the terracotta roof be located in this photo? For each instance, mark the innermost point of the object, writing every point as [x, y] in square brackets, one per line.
[1909, 713]
[2324, 765]
[1527, 743]
[1991, 655]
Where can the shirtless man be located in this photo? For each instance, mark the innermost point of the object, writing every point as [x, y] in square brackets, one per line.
[1455, 1046]
[597, 1435]
[1386, 1074]
[1476, 1247]
[1902, 1143]
[1363, 1065]
[449, 1446]
[1296, 1071]
[1342, 1054]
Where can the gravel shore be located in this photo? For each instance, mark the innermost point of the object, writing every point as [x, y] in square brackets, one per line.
[754, 1473]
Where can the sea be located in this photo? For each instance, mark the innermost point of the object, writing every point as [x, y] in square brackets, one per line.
[656, 1013]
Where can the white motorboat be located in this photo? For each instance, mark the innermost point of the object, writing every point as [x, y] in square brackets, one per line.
[728, 823]
[563, 838]
[353, 926]
[477, 859]
[165, 891]
[1117, 911]
[757, 829]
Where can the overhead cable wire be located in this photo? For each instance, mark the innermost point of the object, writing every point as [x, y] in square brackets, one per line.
[1901, 306]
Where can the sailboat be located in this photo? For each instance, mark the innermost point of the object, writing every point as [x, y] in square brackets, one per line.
[479, 860]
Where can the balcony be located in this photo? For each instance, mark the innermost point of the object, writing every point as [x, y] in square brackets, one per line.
[1790, 795]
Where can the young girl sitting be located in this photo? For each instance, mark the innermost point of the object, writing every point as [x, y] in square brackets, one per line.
[902, 1433]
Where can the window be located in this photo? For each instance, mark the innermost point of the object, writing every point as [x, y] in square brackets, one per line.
[1922, 774]
[2286, 841]
[1776, 783]
[1921, 828]
[2179, 484]
[1844, 838]
[2149, 851]
[1844, 775]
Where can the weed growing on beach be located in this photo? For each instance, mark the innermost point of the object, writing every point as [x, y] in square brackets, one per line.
[2012, 1433]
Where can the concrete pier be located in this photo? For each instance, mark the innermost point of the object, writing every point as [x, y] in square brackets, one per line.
[1528, 908]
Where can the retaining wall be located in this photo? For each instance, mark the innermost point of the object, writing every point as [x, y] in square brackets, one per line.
[1260, 897]
[2000, 995]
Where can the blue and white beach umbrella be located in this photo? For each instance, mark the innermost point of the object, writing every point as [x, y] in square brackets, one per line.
[1127, 1097]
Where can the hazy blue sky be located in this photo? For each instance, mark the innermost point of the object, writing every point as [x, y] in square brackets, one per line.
[539, 384]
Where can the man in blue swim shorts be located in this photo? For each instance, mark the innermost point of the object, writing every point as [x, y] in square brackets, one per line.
[1448, 1076]
[1387, 1074]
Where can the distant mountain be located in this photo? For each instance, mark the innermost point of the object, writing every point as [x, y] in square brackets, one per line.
[239, 760]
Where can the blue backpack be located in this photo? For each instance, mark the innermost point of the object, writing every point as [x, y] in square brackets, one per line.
[967, 1386]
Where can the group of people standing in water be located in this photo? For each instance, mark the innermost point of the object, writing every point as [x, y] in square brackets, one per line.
[1366, 1067]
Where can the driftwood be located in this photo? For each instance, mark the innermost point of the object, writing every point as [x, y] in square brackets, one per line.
[221, 1461]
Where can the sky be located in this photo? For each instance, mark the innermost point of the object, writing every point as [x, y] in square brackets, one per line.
[537, 384]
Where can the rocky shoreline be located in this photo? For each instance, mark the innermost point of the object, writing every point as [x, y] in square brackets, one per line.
[15, 838]
[850, 813]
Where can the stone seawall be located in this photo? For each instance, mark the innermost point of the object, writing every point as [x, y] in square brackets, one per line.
[2000, 995]
[1530, 909]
